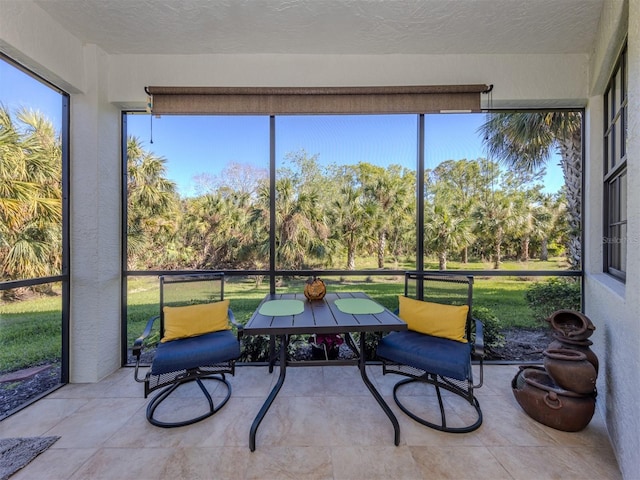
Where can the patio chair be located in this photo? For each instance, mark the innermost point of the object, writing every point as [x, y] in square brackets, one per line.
[438, 348]
[193, 342]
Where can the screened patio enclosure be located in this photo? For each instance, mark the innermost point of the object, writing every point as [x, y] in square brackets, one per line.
[578, 55]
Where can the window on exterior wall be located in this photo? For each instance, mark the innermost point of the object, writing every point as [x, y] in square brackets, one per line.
[615, 171]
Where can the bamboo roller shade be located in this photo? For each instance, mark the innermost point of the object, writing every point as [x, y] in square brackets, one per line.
[315, 100]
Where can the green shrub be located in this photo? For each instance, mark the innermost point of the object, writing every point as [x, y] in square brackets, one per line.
[255, 348]
[546, 297]
[492, 336]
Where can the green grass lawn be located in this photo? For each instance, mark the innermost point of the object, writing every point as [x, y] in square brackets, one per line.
[30, 332]
[30, 329]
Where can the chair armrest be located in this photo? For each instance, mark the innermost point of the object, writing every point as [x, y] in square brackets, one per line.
[234, 322]
[478, 344]
[137, 344]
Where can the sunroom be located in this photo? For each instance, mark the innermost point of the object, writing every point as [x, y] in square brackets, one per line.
[106, 57]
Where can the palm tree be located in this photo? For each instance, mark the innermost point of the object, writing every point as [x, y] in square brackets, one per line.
[206, 226]
[151, 205]
[350, 219]
[301, 231]
[30, 196]
[553, 210]
[386, 194]
[525, 140]
[445, 231]
[463, 182]
[532, 223]
[494, 218]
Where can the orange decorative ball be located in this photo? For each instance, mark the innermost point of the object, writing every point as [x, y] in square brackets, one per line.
[315, 289]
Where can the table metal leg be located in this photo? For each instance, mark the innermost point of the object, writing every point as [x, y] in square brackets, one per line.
[362, 363]
[272, 352]
[274, 392]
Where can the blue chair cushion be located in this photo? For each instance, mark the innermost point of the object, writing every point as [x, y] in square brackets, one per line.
[432, 354]
[203, 350]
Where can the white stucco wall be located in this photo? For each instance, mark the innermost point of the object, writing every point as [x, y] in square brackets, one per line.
[95, 226]
[613, 306]
[519, 80]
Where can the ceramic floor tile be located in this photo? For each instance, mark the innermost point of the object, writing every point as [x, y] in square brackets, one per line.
[382, 462]
[183, 408]
[117, 385]
[496, 379]
[505, 423]
[40, 417]
[325, 425]
[358, 420]
[165, 463]
[295, 421]
[250, 381]
[383, 383]
[459, 462]
[275, 463]
[386, 383]
[230, 426]
[325, 421]
[302, 382]
[557, 462]
[345, 381]
[459, 412]
[55, 464]
[593, 435]
[413, 433]
[95, 422]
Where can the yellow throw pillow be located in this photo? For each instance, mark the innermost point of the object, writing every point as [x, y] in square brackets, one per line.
[447, 321]
[192, 320]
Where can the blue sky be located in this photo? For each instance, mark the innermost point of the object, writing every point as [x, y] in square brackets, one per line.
[194, 145]
[18, 90]
[198, 144]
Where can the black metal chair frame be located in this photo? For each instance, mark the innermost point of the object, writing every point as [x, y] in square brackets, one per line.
[173, 380]
[463, 389]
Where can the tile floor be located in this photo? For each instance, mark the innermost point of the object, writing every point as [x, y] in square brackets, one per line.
[323, 425]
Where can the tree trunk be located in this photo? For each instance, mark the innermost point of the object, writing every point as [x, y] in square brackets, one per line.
[442, 260]
[465, 255]
[570, 150]
[351, 259]
[524, 254]
[382, 245]
[544, 252]
[498, 250]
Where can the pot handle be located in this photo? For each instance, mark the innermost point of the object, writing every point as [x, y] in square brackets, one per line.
[552, 400]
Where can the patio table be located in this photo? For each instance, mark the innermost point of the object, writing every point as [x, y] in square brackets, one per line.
[282, 315]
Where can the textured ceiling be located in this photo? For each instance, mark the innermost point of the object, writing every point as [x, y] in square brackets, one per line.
[331, 26]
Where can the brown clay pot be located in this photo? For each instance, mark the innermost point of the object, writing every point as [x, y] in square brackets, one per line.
[549, 404]
[571, 324]
[579, 345]
[570, 370]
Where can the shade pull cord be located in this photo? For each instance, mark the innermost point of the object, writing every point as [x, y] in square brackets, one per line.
[149, 109]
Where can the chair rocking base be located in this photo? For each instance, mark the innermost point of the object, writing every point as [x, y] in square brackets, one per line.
[443, 427]
[164, 394]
